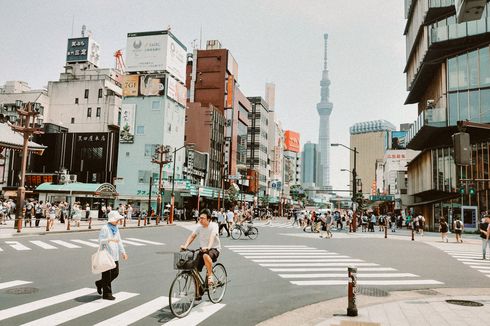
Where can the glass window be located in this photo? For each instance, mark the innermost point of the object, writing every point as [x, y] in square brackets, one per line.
[86, 93]
[155, 105]
[140, 130]
[97, 113]
[463, 72]
[144, 176]
[473, 69]
[474, 106]
[150, 149]
[241, 143]
[76, 100]
[463, 106]
[485, 105]
[100, 92]
[452, 70]
[485, 67]
[453, 109]
[72, 120]
[89, 112]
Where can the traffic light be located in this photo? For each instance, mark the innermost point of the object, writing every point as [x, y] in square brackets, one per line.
[462, 189]
[471, 189]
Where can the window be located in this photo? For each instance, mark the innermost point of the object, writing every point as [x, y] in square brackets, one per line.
[463, 106]
[140, 130]
[72, 120]
[144, 176]
[155, 105]
[485, 67]
[100, 92]
[150, 149]
[97, 113]
[89, 112]
[86, 93]
[76, 100]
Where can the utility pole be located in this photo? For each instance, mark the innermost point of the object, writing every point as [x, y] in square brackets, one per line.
[160, 157]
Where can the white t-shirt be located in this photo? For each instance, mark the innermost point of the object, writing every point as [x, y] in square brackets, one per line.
[203, 234]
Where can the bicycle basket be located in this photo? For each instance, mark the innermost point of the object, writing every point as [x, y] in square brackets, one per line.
[184, 260]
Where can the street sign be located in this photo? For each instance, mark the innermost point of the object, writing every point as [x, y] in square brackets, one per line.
[382, 198]
[234, 177]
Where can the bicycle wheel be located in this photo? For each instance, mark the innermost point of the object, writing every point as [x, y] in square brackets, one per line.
[236, 233]
[182, 294]
[253, 233]
[216, 292]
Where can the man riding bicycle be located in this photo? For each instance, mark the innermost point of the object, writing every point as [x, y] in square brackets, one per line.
[209, 242]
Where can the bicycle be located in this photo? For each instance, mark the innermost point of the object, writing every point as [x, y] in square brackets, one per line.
[188, 283]
[313, 227]
[238, 229]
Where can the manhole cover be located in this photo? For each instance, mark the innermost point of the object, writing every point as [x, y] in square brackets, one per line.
[465, 303]
[22, 290]
[428, 292]
[372, 292]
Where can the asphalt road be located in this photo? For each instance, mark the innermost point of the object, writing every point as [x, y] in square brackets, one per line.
[283, 269]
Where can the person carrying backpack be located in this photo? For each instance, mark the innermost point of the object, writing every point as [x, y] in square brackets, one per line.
[458, 229]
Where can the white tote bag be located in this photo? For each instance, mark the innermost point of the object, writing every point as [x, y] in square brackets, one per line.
[102, 261]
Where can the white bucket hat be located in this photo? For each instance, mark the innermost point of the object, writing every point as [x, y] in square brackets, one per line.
[114, 216]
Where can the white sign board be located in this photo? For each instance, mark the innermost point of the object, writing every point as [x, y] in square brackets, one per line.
[176, 91]
[126, 135]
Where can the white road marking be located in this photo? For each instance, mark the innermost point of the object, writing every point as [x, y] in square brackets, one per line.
[43, 303]
[43, 244]
[286, 253]
[333, 269]
[133, 243]
[90, 244]
[364, 282]
[131, 316]
[307, 257]
[344, 275]
[147, 241]
[312, 260]
[78, 311]
[11, 284]
[17, 245]
[197, 314]
[267, 246]
[317, 264]
[65, 244]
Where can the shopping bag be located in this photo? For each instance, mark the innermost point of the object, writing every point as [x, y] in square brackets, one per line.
[102, 261]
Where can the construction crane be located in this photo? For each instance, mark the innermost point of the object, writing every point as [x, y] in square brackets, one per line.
[120, 65]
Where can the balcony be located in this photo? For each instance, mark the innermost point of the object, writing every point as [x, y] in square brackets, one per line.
[429, 130]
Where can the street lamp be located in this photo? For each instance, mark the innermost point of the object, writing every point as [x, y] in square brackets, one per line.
[172, 200]
[354, 177]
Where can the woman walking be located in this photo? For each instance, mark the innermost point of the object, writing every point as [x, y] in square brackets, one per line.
[443, 228]
[110, 240]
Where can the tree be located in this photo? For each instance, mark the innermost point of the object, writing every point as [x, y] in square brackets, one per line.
[297, 193]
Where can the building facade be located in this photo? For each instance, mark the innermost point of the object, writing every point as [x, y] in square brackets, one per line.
[309, 165]
[292, 160]
[448, 76]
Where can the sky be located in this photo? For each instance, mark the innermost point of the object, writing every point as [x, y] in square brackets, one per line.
[278, 41]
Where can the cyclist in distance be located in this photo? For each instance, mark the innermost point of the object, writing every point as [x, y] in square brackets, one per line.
[208, 235]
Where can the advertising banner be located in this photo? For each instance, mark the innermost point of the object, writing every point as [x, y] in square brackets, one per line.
[126, 136]
[151, 85]
[131, 85]
[176, 59]
[291, 141]
[176, 91]
[82, 49]
[398, 140]
[229, 91]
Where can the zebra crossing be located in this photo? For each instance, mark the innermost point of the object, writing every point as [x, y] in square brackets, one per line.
[29, 245]
[470, 256]
[306, 266]
[276, 224]
[85, 307]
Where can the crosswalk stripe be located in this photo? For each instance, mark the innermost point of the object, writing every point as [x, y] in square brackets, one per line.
[333, 269]
[90, 244]
[476, 263]
[370, 282]
[316, 256]
[484, 271]
[133, 243]
[65, 244]
[147, 241]
[78, 311]
[43, 245]
[287, 253]
[466, 256]
[316, 264]
[43, 303]
[278, 250]
[17, 245]
[305, 260]
[11, 284]
[344, 275]
[479, 266]
[197, 314]
[1, 249]
[137, 313]
[267, 246]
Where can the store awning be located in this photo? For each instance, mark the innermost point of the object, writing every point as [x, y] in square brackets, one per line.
[12, 140]
[96, 189]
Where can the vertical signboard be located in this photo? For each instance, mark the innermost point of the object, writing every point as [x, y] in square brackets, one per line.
[176, 59]
[82, 49]
[229, 92]
[126, 135]
[131, 85]
[291, 141]
[176, 91]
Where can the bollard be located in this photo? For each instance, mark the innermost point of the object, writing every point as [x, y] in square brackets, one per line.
[138, 221]
[19, 224]
[412, 234]
[68, 224]
[351, 307]
[89, 223]
[386, 228]
[158, 219]
[124, 223]
[47, 223]
[144, 221]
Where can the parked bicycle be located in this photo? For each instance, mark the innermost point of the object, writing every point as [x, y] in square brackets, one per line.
[248, 231]
[189, 283]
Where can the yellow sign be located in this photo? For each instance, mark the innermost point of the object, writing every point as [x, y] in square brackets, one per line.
[131, 85]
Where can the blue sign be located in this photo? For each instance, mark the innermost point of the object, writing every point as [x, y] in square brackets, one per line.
[77, 50]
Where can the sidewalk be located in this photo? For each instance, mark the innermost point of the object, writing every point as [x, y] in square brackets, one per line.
[8, 231]
[418, 307]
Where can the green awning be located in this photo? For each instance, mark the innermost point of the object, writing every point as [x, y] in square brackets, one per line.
[97, 189]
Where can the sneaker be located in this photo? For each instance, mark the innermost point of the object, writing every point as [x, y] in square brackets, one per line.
[99, 288]
[108, 296]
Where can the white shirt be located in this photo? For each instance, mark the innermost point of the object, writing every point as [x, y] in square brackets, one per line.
[204, 234]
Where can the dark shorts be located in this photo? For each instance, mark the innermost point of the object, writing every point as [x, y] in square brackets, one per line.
[457, 232]
[213, 253]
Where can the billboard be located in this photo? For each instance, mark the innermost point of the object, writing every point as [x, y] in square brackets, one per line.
[126, 135]
[291, 141]
[176, 91]
[83, 49]
[152, 85]
[398, 140]
[131, 85]
[156, 51]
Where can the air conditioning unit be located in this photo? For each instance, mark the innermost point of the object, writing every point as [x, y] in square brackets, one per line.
[73, 178]
[468, 10]
[64, 178]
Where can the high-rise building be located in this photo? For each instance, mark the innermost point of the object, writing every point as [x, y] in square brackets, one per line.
[370, 140]
[324, 110]
[448, 76]
[270, 95]
[309, 165]
[292, 160]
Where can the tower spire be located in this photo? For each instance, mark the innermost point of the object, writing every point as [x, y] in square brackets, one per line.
[325, 38]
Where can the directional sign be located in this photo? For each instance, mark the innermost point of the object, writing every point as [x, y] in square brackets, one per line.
[382, 198]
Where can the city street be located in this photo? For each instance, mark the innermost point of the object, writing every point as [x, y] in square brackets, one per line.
[46, 279]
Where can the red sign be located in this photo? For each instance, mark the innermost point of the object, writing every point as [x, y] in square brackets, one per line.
[291, 141]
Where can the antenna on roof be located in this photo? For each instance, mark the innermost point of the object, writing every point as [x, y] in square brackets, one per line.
[84, 28]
